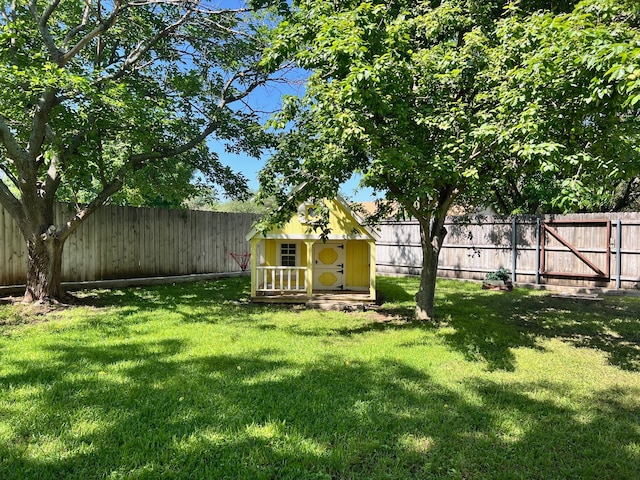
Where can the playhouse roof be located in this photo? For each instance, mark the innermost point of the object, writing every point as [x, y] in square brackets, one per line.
[344, 223]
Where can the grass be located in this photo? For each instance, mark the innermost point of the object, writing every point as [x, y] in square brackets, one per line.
[186, 382]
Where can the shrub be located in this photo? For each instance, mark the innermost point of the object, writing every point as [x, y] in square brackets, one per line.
[500, 274]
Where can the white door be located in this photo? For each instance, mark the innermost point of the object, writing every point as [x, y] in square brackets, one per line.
[328, 266]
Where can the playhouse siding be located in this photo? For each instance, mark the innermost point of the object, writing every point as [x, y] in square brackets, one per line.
[340, 222]
[357, 271]
[271, 248]
[271, 252]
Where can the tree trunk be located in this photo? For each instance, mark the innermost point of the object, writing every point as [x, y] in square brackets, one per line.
[432, 235]
[44, 274]
[425, 298]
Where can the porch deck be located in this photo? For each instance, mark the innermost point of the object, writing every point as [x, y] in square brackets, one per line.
[333, 300]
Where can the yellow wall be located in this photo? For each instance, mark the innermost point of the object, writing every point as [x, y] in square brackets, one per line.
[357, 264]
[340, 221]
[269, 252]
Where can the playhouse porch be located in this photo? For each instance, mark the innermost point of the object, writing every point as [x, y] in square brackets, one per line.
[337, 300]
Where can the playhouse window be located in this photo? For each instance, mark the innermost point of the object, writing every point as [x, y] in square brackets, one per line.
[288, 254]
[308, 213]
[311, 212]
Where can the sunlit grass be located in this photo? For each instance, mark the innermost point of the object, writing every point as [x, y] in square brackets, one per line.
[189, 381]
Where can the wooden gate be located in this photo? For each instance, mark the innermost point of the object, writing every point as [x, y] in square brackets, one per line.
[576, 249]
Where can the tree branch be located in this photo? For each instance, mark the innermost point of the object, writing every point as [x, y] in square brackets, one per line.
[9, 174]
[14, 150]
[9, 201]
[39, 128]
[232, 31]
[134, 161]
[142, 49]
[71, 225]
[224, 100]
[99, 30]
[54, 51]
[81, 26]
[52, 180]
[47, 13]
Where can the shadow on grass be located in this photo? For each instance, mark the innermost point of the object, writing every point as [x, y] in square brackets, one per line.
[395, 289]
[198, 294]
[490, 324]
[482, 327]
[485, 325]
[256, 416]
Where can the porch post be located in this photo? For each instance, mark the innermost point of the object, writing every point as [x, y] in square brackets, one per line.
[308, 274]
[254, 265]
[372, 269]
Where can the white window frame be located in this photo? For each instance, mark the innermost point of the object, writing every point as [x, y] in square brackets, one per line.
[296, 254]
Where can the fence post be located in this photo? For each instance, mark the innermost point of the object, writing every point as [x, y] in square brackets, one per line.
[618, 254]
[538, 251]
[514, 248]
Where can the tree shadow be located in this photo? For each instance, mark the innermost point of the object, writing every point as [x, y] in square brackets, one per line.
[395, 289]
[256, 415]
[481, 328]
[488, 325]
[196, 294]
[611, 326]
[396, 297]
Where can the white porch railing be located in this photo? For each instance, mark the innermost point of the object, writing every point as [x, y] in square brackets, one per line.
[280, 279]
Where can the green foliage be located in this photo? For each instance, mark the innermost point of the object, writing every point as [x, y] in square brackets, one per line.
[252, 205]
[500, 274]
[564, 114]
[469, 98]
[187, 382]
[116, 101]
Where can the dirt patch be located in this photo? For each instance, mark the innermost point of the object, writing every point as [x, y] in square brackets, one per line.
[16, 313]
[383, 317]
[393, 316]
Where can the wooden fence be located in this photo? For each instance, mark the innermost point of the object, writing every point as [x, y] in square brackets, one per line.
[591, 250]
[128, 242]
[582, 250]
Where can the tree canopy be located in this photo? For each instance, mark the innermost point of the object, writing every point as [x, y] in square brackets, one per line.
[99, 96]
[575, 116]
[436, 102]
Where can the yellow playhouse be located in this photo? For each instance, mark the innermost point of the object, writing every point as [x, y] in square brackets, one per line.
[293, 264]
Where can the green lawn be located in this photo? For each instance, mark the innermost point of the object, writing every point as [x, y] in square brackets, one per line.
[185, 382]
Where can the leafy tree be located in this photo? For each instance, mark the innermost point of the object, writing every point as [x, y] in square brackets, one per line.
[445, 100]
[250, 205]
[577, 74]
[98, 98]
